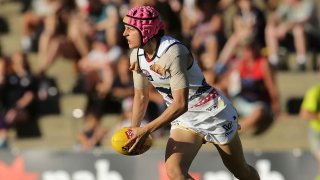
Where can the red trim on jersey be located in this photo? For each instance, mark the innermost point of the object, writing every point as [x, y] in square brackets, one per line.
[148, 59]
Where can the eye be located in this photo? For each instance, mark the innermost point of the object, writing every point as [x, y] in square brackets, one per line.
[129, 28]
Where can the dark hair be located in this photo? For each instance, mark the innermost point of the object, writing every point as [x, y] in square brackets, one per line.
[254, 45]
[160, 33]
[158, 36]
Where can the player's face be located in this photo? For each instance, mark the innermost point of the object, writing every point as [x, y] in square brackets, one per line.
[132, 35]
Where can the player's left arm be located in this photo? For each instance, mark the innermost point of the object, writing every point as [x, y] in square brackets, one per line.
[177, 64]
[141, 95]
[177, 67]
[177, 108]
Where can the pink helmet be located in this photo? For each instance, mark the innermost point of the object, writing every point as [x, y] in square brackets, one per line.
[146, 20]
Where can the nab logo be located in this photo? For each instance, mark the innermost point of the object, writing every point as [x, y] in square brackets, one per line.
[147, 74]
[16, 171]
[228, 126]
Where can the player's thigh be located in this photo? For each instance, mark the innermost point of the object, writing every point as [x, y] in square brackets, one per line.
[232, 154]
[182, 147]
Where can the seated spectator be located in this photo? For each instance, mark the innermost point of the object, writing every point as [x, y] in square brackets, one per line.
[249, 25]
[53, 41]
[32, 22]
[96, 19]
[209, 37]
[257, 101]
[19, 98]
[97, 71]
[92, 135]
[292, 17]
[123, 83]
[190, 16]
[70, 32]
[310, 110]
[249, 22]
[98, 64]
[98, 78]
[4, 128]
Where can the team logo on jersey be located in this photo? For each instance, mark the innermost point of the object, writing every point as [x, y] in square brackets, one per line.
[147, 74]
[158, 69]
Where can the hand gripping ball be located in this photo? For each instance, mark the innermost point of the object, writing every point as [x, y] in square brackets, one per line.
[121, 136]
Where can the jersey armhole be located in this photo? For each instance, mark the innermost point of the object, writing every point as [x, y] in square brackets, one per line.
[190, 54]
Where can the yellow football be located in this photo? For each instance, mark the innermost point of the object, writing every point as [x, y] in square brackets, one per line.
[121, 136]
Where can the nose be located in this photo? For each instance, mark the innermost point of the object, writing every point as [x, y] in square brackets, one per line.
[125, 33]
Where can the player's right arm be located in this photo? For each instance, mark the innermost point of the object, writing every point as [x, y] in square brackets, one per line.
[140, 103]
[141, 91]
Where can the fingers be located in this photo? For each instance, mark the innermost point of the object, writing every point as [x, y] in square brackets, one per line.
[158, 69]
[129, 142]
[133, 147]
[135, 143]
[134, 67]
[131, 67]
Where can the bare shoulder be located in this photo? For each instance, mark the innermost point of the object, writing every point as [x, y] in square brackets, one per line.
[134, 55]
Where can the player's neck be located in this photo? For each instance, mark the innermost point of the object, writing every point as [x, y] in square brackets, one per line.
[150, 47]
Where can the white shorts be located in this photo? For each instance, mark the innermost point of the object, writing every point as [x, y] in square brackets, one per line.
[218, 128]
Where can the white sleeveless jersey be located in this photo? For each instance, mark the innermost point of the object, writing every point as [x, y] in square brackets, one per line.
[210, 114]
[202, 97]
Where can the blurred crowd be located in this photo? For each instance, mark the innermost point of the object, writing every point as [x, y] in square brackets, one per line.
[238, 44]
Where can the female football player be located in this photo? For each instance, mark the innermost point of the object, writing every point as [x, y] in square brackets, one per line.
[198, 113]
